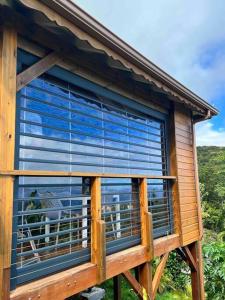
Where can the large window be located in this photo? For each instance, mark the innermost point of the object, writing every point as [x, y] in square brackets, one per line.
[63, 126]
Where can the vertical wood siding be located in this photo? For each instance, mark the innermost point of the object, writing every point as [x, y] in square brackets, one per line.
[187, 181]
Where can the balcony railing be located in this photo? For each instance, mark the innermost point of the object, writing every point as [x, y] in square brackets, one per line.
[63, 221]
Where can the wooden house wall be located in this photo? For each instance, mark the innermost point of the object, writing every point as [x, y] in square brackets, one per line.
[187, 181]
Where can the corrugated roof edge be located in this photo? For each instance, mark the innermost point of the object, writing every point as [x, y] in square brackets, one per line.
[69, 10]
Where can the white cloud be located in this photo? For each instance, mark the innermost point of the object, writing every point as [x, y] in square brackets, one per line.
[206, 135]
[174, 34]
[185, 38]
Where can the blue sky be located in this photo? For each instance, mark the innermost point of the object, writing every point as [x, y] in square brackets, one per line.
[185, 38]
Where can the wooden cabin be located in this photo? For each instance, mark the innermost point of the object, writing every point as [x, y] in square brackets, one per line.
[98, 168]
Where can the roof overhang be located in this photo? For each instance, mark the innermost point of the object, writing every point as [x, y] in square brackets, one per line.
[93, 37]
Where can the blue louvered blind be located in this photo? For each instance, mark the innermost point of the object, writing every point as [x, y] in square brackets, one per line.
[64, 128]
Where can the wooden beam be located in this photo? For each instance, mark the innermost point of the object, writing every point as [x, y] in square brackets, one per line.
[158, 274]
[78, 174]
[190, 258]
[146, 219]
[166, 244]
[197, 279]
[138, 289]
[197, 184]
[117, 287]
[8, 50]
[98, 252]
[174, 172]
[125, 260]
[37, 69]
[145, 278]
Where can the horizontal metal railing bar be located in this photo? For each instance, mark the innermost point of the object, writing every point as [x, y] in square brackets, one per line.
[120, 202]
[158, 206]
[46, 268]
[91, 145]
[90, 154]
[66, 220]
[120, 211]
[52, 234]
[108, 233]
[63, 198]
[123, 220]
[160, 220]
[56, 209]
[70, 120]
[70, 243]
[49, 173]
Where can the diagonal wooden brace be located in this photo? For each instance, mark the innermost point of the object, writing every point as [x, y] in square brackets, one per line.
[37, 69]
[158, 274]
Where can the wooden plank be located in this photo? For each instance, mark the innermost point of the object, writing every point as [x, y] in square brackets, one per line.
[197, 187]
[37, 69]
[197, 280]
[191, 236]
[184, 127]
[125, 260]
[186, 147]
[146, 219]
[79, 174]
[186, 179]
[184, 140]
[188, 214]
[183, 133]
[174, 171]
[8, 50]
[117, 288]
[184, 152]
[190, 258]
[98, 252]
[145, 278]
[185, 159]
[134, 284]
[101, 252]
[190, 221]
[166, 244]
[189, 206]
[158, 274]
[191, 193]
[58, 286]
[186, 173]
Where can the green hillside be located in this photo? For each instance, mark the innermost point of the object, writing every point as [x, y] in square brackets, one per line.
[212, 183]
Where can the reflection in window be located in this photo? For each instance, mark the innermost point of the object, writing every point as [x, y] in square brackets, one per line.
[62, 128]
[53, 221]
[121, 212]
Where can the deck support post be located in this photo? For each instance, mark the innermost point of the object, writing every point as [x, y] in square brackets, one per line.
[8, 51]
[145, 270]
[98, 244]
[197, 280]
[117, 288]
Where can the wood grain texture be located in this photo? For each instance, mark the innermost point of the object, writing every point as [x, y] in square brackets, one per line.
[146, 219]
[37, 69]
[158, 274]
[8, 50]
[188, 188]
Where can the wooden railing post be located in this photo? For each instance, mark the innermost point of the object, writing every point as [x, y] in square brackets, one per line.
[8, 50]
[146, 220]
[145, 270]
[98, 244]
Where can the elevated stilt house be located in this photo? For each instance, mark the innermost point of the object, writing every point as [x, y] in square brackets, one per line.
[98, 169]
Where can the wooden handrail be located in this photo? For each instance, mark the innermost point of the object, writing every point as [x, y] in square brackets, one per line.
[78, 174]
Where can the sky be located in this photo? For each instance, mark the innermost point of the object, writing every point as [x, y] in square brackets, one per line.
[184, 38]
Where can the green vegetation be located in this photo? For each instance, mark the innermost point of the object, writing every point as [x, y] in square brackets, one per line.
[175, 283]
